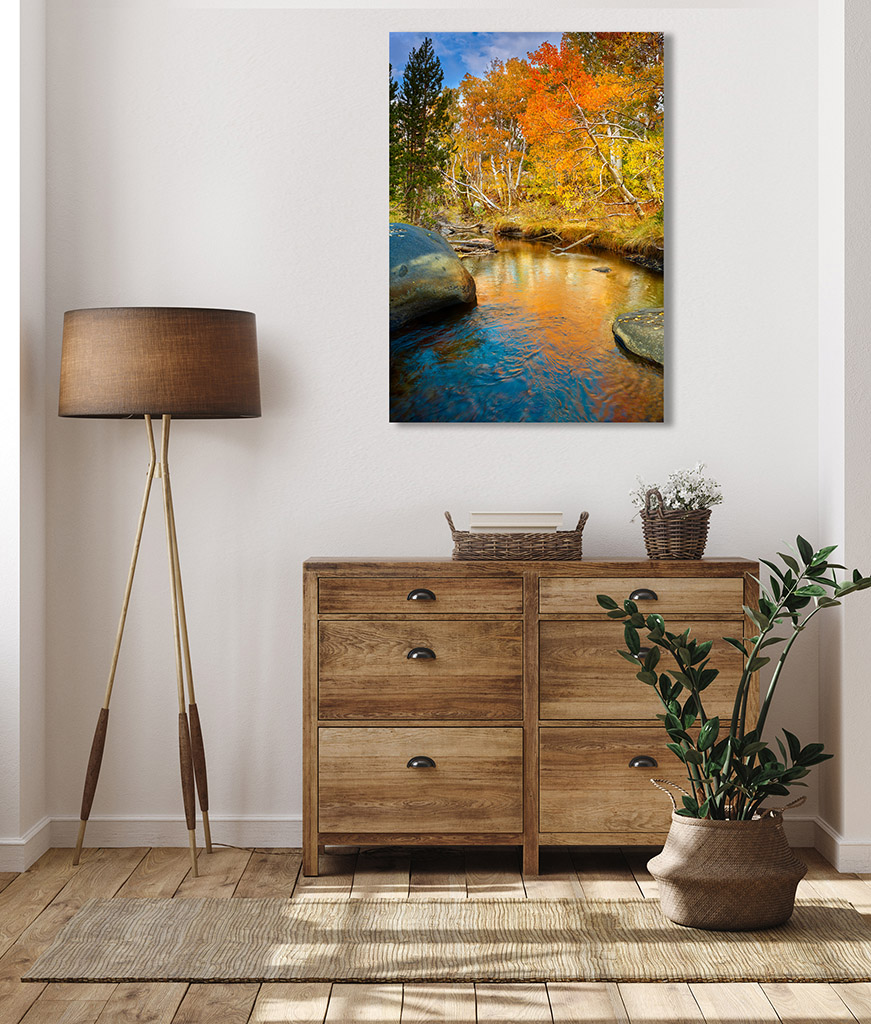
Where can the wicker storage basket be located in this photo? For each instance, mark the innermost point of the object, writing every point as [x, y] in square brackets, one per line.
[564, 545]
[677, 534]
[727, 875]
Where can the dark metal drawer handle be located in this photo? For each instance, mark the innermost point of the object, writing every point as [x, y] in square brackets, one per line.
[643, 761]
[643, 594]
[421, 653]
[422, 594]
[421, 761]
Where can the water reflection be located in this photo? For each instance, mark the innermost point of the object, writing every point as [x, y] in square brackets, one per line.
[538, 346]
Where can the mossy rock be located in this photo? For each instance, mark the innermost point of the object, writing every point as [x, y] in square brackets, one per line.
[642, 333]
[425, 274]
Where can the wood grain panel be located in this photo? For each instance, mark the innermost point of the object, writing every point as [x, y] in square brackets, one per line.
[364, 670]
[582, 676]
[291, 1002]
[373, 596]
[442, 1003]
[136, 1002]
[699, 596]
[217, 1004]
[587, 786]
[364, 784]
[590, 1002]
[376, 1004]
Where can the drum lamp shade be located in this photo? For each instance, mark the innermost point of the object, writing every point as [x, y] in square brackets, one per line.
[134, 361]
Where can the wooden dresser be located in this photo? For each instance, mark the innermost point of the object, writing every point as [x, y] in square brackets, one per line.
[453, 702]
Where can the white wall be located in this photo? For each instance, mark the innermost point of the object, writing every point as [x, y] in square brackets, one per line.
[24, 832]
[845, 486]
[238, 158]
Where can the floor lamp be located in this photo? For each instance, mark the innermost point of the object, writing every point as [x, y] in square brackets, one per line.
[159, 363]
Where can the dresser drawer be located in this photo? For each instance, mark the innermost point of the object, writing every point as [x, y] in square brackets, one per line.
[588, 786]
[420, 595]
[365, 784]
[466, 669]
[696, 597]
[583, 677]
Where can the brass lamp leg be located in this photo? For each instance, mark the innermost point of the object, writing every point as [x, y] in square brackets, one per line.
[184, 736]
[96, 756]
[198, 750]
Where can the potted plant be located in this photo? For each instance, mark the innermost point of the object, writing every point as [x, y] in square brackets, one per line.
[726, 863]
[675, 516]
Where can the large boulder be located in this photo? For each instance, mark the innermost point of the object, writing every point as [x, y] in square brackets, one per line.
[425, 274]
[642, 333]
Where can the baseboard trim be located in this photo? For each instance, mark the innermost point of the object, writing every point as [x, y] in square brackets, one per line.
[167, 831]
[845, 855]
[19, 854]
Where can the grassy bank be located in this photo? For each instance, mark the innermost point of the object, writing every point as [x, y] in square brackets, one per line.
[624, 235]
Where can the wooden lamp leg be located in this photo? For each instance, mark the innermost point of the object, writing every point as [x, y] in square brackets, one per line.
[96, 756]
[198, 750]
[184, 736]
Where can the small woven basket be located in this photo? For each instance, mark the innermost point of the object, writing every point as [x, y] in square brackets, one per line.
[562, 546]
[673, 534]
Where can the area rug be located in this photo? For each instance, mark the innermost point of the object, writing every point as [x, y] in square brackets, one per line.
[500, 940]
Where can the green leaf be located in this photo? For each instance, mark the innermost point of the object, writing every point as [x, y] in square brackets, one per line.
[824, 553]
[618, 614]
[794, 744]
[707, 676]
[774, 568]
[790, 561]
[738, 644]
[812, 590]
[629, 657]
[647, 677]
[652, 659]
[702, 650]
[761, 620]
[606, 602]
[805, 550]
[708, 733]
[693, 756]
[630, 635]
[757, 663]
[691, 804]
[677, 749]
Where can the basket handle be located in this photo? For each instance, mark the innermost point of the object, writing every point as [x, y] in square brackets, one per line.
[450, 522]
[654, 491]
[771, 812]
[584, 517]
[674, 785]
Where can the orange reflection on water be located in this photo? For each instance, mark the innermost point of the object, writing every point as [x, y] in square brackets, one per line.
[537, 347]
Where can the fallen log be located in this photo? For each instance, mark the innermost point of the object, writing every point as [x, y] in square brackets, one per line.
[565, 248]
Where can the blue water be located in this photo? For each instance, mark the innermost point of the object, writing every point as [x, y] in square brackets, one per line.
[538, 347]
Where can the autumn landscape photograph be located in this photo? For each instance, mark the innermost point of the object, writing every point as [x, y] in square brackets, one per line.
[526, 227]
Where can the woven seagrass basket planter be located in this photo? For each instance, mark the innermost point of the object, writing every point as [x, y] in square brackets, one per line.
[673, 534]
[727, 875]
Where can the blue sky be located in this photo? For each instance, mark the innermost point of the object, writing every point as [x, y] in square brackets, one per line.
[464, 53]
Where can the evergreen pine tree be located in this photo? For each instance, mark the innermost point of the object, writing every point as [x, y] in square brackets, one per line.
[419, 116]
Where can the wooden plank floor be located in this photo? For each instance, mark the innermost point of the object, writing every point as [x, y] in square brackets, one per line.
[35, 904]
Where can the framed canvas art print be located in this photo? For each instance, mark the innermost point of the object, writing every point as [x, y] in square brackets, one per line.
[526, 227]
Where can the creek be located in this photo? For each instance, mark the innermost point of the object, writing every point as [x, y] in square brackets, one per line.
[537, 347]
